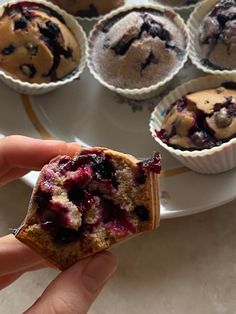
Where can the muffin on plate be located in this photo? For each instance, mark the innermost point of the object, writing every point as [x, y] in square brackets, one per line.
[39, 46]
[88, 8]
[196, 123]
[178, 4]
[201, 120]
[86, 203]
[213, 45]
[136, 49]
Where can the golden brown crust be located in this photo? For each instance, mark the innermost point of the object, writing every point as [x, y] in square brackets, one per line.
[205, 100]
[63, 256]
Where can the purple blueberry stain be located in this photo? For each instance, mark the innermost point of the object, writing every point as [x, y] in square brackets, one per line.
[152, 164]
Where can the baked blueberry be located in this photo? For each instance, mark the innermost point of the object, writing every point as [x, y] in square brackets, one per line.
[8, 50]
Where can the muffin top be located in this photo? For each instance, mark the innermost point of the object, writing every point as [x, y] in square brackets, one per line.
[201, 120]
[85, 8]
[36, 45]
[178, 3]
[137, 48]
[217, 38]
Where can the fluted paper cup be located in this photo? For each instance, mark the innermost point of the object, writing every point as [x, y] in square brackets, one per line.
[145, 92]
[209, 161]
[43, 88]
[193, 25]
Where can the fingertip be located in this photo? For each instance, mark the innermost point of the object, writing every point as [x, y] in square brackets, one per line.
[58, 147]
[73, 148]
[112, 259]
[98, 270]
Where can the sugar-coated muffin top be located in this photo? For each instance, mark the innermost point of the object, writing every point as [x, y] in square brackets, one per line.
[217, 38]
[178, 3]
[88, 8]
[36, 45]
[137, 48]
[201, 120]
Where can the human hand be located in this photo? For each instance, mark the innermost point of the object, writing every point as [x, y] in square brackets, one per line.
[74, 290]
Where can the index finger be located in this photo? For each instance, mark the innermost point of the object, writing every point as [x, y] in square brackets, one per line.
[28, 153]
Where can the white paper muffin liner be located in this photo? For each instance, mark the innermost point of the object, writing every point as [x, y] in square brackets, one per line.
[43, 88]
[178, 9]
[137, 93]
[209, 161]
[193, 24]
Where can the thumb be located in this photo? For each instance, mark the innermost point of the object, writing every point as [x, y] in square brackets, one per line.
[75, 289]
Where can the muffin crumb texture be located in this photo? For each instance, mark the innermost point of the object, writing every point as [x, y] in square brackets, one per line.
[137, 48]
[86, 203]
[36, 45]
[88, 8]
[201, 120]
[217, 38]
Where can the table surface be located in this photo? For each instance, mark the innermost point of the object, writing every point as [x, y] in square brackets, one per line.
[187, 266]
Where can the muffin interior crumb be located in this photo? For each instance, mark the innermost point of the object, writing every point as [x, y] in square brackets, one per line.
[93, 199]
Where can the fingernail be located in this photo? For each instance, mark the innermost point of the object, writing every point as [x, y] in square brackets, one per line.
[98, 270]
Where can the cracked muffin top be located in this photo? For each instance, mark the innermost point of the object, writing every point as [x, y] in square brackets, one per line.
[178, 3]
[137, 48]
[36, 45]
[217, 38]
[85, 8]
[201, 120]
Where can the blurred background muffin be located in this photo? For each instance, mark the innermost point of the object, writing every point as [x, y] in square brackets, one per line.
[196, 123]
[88, 8]
[217, 37]
[36, 45]
[201, 120]
[137, 47]
[212, 29]
[178, 3]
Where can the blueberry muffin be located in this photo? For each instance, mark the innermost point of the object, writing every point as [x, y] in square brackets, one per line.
[137, 47]
[86, 203]
[178, 3]
[36, 46]
[201, 120]
[217, 38]
[88, 8]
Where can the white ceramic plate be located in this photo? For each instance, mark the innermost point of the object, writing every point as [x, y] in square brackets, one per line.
[86, 112]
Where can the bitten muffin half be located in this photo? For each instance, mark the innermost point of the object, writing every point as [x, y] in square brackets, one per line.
[84, 204]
